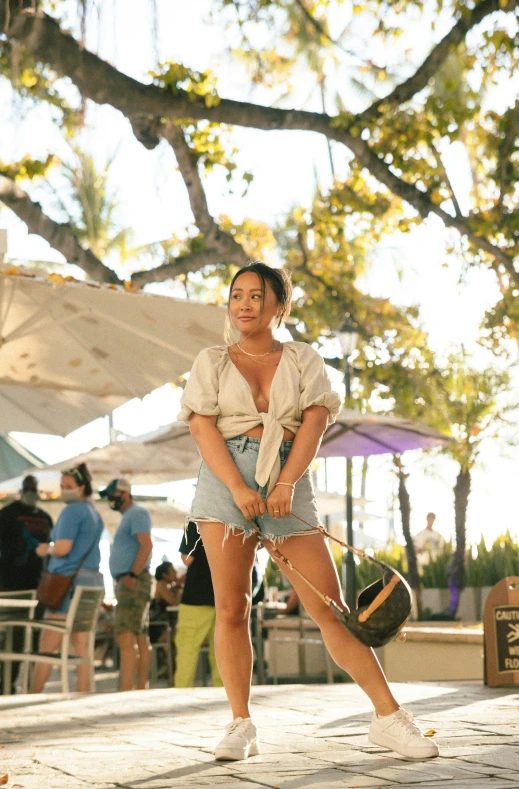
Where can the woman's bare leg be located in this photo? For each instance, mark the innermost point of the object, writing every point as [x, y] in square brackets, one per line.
[143, 662]
[311, 555]
[80, 644]
[50, 641]
[231, 564]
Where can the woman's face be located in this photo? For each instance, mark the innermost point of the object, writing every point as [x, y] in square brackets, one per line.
[70, 490]
[69, 483]
[170, 575]
[249, 312]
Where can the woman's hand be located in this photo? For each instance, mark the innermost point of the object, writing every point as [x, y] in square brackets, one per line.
[42, 549]
[249, 501]
[279, 503]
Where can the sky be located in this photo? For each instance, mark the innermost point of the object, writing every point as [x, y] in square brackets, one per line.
[286, 168]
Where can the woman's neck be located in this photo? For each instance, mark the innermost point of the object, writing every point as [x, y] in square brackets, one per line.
[258, 343]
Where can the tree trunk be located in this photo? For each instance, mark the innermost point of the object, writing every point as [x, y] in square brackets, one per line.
[363, 480]
[405, 512]
[457, 567]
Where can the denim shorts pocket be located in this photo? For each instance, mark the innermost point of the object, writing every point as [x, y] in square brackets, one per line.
[233, 449]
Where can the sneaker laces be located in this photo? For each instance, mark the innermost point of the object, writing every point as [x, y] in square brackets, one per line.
[235, 725]
[406, 719]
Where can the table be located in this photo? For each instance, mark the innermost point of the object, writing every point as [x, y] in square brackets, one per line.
[29, 604]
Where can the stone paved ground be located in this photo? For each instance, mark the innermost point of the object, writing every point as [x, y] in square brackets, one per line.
[313, 736]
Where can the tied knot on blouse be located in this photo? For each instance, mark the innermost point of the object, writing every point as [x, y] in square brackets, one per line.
[217, 388]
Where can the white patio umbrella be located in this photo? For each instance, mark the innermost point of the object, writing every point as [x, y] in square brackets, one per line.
[166, 455]
[102, 340]
[34, 410]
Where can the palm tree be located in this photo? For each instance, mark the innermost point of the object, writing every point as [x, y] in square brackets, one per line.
[90, 208]
[474, 405]
[468, 404]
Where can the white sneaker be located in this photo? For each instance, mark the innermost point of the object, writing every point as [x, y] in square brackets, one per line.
[240, 741]
[399, 733]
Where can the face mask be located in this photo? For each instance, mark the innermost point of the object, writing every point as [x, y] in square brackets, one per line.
[115, 503]
[69, 496]
[29, 498]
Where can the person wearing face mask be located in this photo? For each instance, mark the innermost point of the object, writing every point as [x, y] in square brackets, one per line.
[129, 564]
[23, 526]
[77, 534]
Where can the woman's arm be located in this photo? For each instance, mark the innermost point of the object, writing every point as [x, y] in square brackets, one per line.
[163, 592]
[304, 449]
[218, 459]
[60, 548]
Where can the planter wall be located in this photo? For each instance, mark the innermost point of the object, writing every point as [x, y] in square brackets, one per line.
[471, 605]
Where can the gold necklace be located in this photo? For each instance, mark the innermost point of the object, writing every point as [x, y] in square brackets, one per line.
[254, 355]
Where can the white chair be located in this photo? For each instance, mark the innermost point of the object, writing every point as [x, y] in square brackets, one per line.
[166, 648]
[6, 632]
[82, 617]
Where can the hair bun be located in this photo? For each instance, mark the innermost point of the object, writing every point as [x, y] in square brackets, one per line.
[83, 470]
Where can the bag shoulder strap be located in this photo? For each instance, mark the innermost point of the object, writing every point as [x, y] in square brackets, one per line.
[83, 558]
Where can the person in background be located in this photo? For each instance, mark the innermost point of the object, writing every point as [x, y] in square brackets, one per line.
[23, 526]
[167, 593]
[77, 532]
[129, 565]
[428, 542]
[196, 613]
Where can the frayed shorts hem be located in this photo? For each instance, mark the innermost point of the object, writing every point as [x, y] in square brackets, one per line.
[235, 529]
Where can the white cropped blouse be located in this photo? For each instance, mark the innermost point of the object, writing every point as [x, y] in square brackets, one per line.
[217, 388]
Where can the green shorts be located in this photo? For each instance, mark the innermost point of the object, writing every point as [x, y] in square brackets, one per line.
[131, 611]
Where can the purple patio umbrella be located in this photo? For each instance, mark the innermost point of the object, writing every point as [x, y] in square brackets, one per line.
[360, 435]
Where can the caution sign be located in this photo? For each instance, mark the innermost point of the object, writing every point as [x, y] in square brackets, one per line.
[501, 626]
[506, 618]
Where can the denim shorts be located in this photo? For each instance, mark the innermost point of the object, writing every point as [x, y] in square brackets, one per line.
[213, 500]
[84, 577]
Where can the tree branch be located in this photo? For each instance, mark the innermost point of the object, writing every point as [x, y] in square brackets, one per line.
[184, 264]
[59, 236]
[406, 90]
[188, 166]
[321, 31]
[216, 240]
[103, 84]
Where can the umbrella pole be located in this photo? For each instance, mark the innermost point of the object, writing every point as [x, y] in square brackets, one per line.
[349, 569]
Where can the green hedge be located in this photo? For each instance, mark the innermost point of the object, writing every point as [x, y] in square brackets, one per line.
[484, 566]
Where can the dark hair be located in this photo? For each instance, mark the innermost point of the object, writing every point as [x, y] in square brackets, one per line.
[162, 569]
[82, 476]
[279, 281]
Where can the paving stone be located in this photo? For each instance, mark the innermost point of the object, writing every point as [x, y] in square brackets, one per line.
[312, 737]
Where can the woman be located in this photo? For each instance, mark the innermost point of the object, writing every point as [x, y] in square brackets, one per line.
[257, 410]
[77, 532]
[167, 593]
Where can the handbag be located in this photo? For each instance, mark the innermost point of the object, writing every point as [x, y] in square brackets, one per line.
[382, 608]
[54, 587]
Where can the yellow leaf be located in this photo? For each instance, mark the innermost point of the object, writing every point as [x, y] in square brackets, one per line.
[430, 733]
[56, 278]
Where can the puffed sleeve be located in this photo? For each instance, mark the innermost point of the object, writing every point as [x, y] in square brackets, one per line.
[315, 385]
[200, 395]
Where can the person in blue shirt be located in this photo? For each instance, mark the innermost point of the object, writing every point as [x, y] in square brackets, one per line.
[77, 534]
[129, 564]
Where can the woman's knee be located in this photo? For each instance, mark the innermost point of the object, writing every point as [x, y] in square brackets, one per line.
[233, 612]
